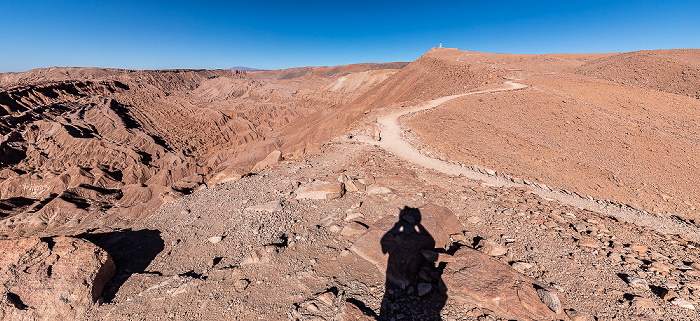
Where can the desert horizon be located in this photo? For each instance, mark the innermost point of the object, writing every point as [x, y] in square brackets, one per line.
[139, 161]
[365, 161]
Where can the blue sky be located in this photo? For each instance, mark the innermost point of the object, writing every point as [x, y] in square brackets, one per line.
[222, 34]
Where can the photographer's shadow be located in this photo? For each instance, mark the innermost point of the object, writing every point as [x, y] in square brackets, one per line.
[414, 287]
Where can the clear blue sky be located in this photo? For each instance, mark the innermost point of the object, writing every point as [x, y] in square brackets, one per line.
[221, 34]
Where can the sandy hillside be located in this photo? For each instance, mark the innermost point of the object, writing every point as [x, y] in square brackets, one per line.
[611, 141]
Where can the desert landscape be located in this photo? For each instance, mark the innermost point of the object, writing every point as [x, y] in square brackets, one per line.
[458, 186]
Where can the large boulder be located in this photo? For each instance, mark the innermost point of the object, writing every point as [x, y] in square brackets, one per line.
[57, 278]
[273, 158]
[477, 279]
[394, 243]
[320, 190]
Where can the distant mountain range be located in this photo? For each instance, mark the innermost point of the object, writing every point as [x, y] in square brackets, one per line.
[244, 68]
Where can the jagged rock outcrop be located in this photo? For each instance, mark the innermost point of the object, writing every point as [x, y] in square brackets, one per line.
[56, 278]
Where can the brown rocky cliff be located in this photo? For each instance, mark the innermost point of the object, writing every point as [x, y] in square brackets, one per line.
[57, 278]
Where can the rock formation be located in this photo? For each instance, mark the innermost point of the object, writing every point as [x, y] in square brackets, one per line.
[51, 278]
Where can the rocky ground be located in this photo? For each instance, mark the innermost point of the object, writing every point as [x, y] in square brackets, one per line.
[249, 249]
[581, 133]
[87, 147]
[345, 230]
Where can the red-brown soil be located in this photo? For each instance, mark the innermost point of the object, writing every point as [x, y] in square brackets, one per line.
[611, 141]
[148, 165]
[673, 71]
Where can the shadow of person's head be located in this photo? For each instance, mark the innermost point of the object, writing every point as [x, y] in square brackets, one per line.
[410, 215]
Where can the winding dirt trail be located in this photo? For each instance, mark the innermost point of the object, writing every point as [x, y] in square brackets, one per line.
[392, 140]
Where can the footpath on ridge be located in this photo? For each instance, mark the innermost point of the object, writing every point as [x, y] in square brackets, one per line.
[392, 141]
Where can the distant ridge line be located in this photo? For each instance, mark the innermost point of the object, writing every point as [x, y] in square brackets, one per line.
[241, 68]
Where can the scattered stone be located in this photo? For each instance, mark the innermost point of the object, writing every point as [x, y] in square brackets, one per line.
[695, 286]
[312, 149]
[615, 257]
[218, 274]
[261, 255]
[643, 303]
[550, 299]
[424, 288]
[214, 239]
[550, 224]
[326, 298]
[353, 216]
[491, 248]
[241, 284]
[459, 238]
[376, 133]
[521, 266]
[273, 158]
[658, 256]
[695, 273]
[557, 218]
[320, 190]
[360, 186]
[580, 227]
[667, 294]
[589, 243]
[353, 229]
[662, 267]
[227, 175]
[636, 282]
[269, 207]
[368, 179]
[682, 267]
[311, 307]
[682, 303]
[378, 190]
[350, 185]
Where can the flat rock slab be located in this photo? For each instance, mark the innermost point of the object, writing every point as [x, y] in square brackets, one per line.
[56, 278]
[394, 243]
[478, 279]
[321, 190]
[273, 158]
[269, 207]
[227, 175]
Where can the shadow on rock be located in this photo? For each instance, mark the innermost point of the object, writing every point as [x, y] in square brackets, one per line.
[414, 286]
[132, 252]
